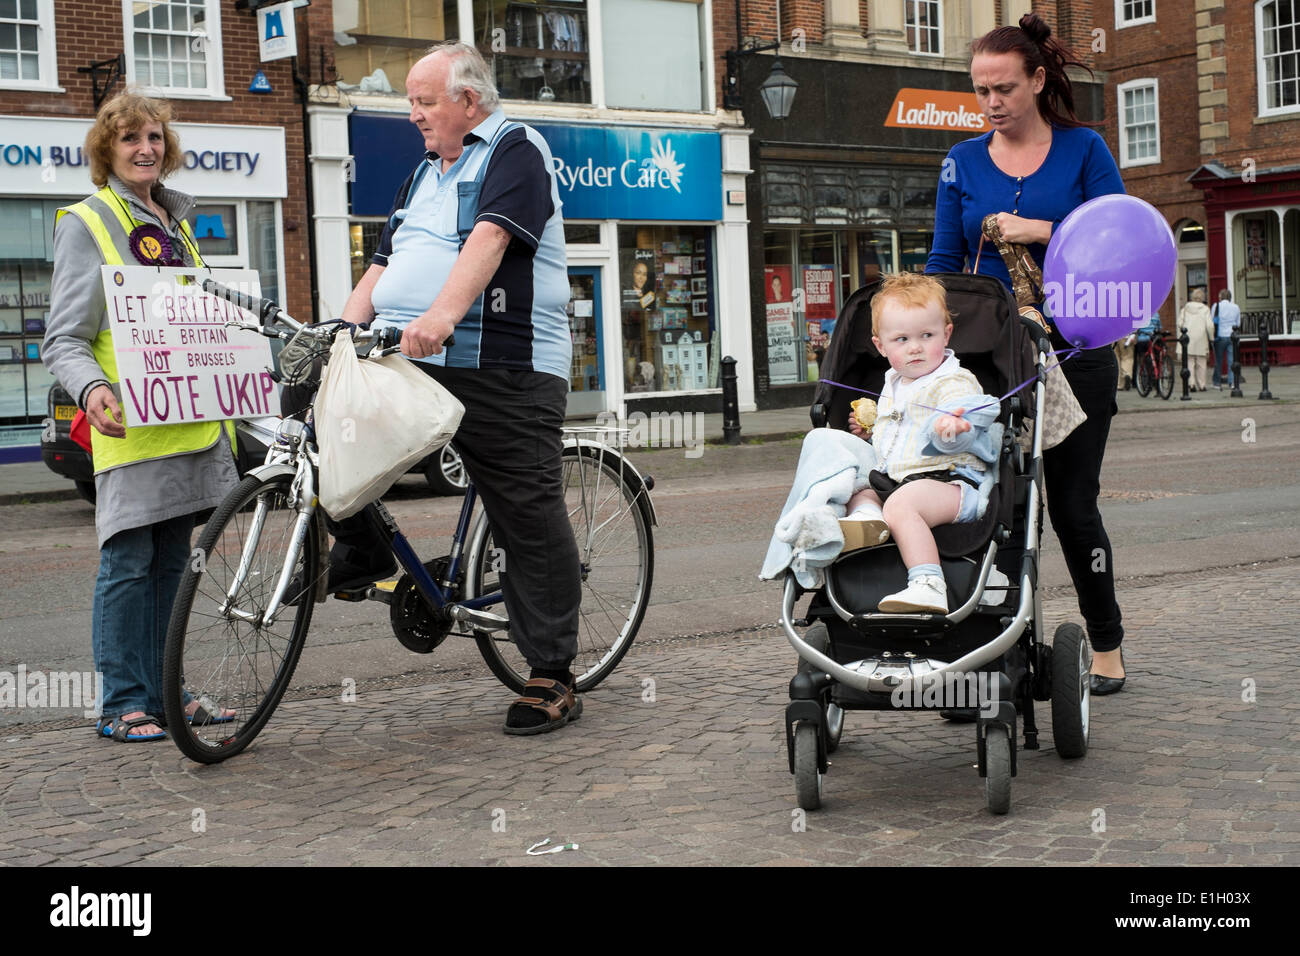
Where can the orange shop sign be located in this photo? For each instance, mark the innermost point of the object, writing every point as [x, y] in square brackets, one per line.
[936, 109]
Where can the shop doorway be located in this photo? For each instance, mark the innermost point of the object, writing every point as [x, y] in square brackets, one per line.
[587, 373]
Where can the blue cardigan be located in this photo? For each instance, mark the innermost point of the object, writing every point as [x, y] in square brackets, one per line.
[1078, 167]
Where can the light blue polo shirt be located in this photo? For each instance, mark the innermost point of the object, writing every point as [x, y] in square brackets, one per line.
[520, 320]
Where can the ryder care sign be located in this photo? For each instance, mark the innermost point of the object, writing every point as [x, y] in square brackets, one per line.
[176, 359]
[937, 109]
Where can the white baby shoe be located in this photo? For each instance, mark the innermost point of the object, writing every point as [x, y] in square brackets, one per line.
[865, 528]
[927, 594]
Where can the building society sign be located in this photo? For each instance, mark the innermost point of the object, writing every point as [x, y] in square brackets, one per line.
[176, 359]
[275, 32]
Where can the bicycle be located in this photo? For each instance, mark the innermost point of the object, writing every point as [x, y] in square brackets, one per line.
[260, 566]
[1156, 368]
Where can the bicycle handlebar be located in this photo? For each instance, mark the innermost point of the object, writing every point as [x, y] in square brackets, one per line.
[386, 339]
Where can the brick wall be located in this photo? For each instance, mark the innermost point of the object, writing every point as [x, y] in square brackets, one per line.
[90, 30]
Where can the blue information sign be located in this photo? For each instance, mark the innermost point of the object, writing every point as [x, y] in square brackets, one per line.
[604, 173]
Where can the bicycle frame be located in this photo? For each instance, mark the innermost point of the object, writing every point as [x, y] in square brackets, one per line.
[299, 441]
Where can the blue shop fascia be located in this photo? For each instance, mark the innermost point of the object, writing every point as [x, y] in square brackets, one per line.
[658, 258]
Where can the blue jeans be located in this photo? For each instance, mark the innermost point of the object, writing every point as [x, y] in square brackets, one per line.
[139, 572]
[1222, 348]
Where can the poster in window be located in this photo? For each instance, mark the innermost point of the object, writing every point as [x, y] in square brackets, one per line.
[819, 292]
[776, 284]
[783, 347]
[641, 293]
[1256, 245]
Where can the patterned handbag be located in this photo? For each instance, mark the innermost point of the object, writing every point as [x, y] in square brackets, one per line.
[1061, 412]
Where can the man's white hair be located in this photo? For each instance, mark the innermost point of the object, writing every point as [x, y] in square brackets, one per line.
[467, 70]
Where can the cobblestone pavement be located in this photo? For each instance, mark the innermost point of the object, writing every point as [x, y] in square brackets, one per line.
[1182, 769]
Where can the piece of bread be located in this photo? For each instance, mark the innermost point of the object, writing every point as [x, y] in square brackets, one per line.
[864, 410]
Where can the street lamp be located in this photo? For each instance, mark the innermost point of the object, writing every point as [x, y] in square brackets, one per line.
[777, 90]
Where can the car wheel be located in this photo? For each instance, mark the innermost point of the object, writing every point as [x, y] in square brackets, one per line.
[445, 472]
[87, 490]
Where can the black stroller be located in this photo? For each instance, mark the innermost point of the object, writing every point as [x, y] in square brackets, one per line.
[987, 659]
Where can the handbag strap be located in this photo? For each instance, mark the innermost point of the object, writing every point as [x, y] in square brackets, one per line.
[1026, 276]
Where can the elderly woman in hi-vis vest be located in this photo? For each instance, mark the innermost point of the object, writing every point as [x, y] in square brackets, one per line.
[150, 480]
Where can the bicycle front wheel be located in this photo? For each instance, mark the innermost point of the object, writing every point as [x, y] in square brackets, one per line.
[1165, 381]
[220, 649]
[610, 516]
[1146, 375]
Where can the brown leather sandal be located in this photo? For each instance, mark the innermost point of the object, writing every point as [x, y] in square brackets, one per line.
[557, 703]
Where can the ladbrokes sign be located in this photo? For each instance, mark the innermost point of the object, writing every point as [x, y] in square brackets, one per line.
[936, 109]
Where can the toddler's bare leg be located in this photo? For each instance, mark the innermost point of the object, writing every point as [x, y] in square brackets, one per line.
[913, 510]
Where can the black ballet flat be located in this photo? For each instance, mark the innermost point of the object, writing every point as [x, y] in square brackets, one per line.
[1100, 686]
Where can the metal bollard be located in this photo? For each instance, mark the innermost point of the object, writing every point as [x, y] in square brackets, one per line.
[1183, 340]
[730, 403]
[1264, 393]
[1235, 367]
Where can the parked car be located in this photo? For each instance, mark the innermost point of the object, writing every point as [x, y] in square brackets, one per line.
[443, 470]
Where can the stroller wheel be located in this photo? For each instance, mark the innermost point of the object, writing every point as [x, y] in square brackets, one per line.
[807, 777]
[1070, 691]
[834, 727]
[997, 762]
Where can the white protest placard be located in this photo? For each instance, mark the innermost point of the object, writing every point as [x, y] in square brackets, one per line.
[176, 359]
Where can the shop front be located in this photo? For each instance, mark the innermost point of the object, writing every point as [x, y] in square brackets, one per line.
[646, 247]
[237, 173]
[1253, 236]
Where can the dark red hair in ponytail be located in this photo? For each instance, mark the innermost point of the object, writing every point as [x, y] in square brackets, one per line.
[1033, 41]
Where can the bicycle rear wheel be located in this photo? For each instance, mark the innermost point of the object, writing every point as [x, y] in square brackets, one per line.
[1146, 375]
[611, 521]
[1165, 380]
[220, 651]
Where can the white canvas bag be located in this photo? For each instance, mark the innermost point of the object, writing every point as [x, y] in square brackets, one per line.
[374, 420]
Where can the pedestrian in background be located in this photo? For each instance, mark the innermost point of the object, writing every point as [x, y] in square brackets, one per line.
[1196, 321]
[1227, 316]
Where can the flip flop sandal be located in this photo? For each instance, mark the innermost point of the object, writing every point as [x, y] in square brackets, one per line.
[549, 697]
[202, 717]
[119, 729]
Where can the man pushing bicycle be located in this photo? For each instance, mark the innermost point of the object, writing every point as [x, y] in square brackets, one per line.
[475, 245]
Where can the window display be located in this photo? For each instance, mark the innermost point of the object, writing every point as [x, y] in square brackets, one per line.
[668, 308]
[24, 308]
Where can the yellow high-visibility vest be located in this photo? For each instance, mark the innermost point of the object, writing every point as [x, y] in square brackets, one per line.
[110, 226]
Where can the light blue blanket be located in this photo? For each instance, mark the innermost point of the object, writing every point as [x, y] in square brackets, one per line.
[833, 466]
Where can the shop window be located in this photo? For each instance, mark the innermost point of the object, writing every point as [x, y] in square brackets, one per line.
[363, 241]
[262, 246]
[174, 46]
[27, 59]
[914, 250]
[582, 233]
[668, 307]
[216, 227]
[1277, 66]
[659, 39]
[538, 50]
[376, 42]
[24, 311]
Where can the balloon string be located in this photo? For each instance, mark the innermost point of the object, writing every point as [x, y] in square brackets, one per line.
[1069, 354]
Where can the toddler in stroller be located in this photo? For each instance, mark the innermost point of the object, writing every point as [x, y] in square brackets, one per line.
[868, 647]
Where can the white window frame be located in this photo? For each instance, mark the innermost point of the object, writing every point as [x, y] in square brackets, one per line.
[46, 50]
[216, 88]
[1261, 80]
[938, 6]
[1121, 21]
[1145, 82]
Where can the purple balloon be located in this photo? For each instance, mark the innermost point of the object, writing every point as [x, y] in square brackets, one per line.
[1108, 268]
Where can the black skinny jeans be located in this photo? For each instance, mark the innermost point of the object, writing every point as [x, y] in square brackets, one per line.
[1072, 471]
